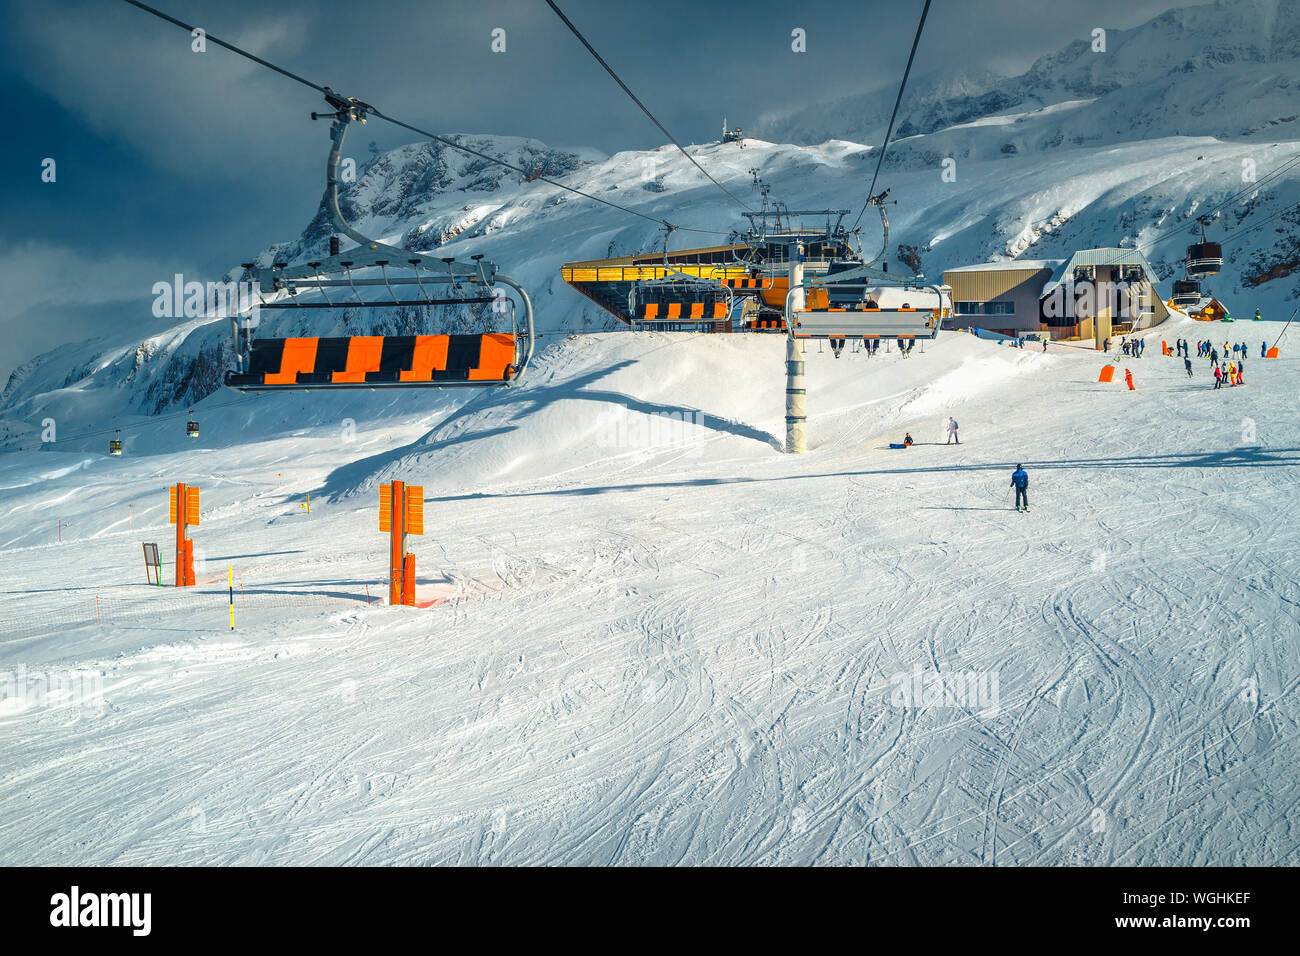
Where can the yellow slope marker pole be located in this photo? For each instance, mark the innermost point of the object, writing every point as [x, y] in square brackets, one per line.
[232, 597]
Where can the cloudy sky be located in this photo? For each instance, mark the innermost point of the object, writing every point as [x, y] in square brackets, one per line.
[174, 161]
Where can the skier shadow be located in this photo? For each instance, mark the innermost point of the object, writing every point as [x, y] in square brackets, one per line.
[524, 401]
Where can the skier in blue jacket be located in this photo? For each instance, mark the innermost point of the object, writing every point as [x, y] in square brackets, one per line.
[1020, 481]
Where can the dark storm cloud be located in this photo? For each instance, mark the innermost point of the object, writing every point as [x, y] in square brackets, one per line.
[170, 158]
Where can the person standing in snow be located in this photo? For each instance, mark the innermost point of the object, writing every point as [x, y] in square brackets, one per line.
[1218, 377]
[1214, 357]
[1128, 378]
[952, 431]
[1020, 482]
[1105, 346]
[1263, 350]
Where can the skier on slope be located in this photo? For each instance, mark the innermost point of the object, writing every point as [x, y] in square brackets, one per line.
[1187, 363]
[1128, 379]
[1263, 350]
[952, 431]
[1020, 481]
[1218, 377]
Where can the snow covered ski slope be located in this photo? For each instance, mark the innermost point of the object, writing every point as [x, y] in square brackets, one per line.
[657, 640]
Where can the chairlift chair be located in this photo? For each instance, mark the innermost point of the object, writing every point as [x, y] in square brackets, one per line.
[865, 311]
[497, 356]
[679, 299]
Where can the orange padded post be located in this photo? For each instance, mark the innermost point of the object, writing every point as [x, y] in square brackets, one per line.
[1107, 374]
[181, 551]
[397, 544]
[1272, 353]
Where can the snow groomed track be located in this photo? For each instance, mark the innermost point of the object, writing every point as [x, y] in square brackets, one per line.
[674, 644]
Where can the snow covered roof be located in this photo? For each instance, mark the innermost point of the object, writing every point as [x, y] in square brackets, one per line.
[1008, 265]
[1102, 257]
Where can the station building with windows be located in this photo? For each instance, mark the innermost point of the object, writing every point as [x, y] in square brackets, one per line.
[1095, 294]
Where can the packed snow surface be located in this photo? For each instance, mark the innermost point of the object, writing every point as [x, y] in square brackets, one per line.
[651, 637]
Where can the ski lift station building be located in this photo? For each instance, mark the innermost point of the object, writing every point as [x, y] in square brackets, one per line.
[1096, 293]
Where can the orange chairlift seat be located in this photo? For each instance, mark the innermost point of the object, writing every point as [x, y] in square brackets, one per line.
[494, 357]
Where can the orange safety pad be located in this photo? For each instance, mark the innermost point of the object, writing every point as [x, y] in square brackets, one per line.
[430, 353]
[299, 356]
[1272, 353]
[415, 509]
[363, 356]
[385, 507]
[1107, 374]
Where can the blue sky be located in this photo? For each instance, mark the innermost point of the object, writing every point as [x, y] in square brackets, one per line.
[171, 161]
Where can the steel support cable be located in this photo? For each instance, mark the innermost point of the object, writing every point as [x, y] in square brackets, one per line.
[415, 129]
[871, 191]
[1231, 199]
[1262, 222]
[610, 70]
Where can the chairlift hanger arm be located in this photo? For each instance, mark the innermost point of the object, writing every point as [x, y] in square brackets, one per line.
[369, 252]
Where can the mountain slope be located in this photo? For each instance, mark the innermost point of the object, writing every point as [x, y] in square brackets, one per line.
[1078, 152]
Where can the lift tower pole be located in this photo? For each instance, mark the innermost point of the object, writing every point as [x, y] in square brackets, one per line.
[796, 404]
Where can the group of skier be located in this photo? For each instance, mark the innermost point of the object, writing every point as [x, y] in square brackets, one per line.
[1133, 349]
[1231, 370]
